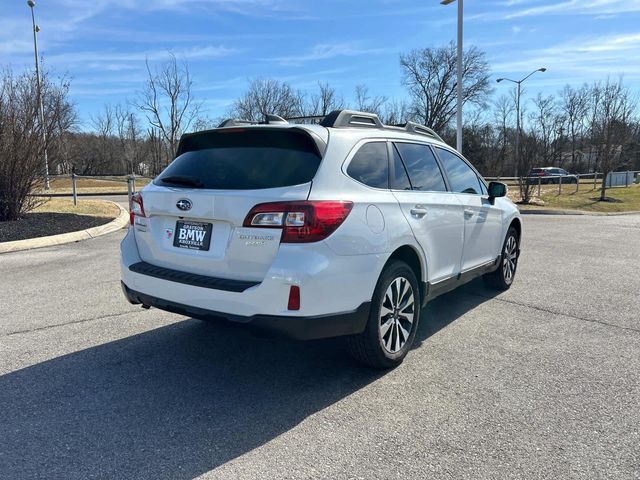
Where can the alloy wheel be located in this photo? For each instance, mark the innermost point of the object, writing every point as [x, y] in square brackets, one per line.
[510, 259]
[396, 315]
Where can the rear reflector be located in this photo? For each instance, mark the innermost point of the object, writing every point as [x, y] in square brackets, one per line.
[294, 298]
[300, 221]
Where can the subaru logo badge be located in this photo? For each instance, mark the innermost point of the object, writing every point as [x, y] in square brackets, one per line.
[184, 204]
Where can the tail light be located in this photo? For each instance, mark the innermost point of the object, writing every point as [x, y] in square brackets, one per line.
[136, 207]
[301, 222]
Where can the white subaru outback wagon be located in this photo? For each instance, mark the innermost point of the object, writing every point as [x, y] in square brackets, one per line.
[343, 228]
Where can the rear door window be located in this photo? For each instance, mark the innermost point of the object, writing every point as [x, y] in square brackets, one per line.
[370, 165]
[244, 159]
[461, 176]
[399, 177]
[422, 167]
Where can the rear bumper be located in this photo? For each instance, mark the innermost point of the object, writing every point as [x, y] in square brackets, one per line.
[328, 285]
[300, 328]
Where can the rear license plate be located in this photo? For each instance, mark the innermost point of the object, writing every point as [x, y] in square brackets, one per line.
[192, 235]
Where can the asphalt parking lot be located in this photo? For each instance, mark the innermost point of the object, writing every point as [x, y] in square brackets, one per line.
[539, 382]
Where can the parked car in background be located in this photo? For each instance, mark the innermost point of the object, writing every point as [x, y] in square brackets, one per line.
[344, 228]
[551, 175]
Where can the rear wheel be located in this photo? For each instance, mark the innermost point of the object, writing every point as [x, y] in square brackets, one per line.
[393, 319]
[502, 277]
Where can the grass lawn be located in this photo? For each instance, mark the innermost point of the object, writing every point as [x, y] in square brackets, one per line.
[94, 185]
[621, 199]
[94, 208]
[59, 215]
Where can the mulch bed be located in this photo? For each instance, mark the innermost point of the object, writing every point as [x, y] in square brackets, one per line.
[34, 225]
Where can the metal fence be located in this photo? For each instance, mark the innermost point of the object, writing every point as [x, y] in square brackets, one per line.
[67, 185]
[582, 179]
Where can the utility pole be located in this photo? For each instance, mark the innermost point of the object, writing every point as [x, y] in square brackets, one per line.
[36, 29]
[459, 74]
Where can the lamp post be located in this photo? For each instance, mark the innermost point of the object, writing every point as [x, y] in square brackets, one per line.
[459, 80]
[36, 29]
[519, 83]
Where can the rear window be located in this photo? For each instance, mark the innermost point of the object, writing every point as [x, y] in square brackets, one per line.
[243, 159]
[370, 165]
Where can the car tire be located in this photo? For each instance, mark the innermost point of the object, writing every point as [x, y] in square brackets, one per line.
[502, 278]
[393, 319]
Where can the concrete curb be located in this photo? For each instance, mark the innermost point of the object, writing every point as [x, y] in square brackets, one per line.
[534, 211]
[30, 243]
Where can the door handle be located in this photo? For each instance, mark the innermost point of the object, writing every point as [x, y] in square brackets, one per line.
[468, 213]
[419, 211]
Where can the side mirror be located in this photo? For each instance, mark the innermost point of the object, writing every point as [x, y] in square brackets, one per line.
[497, 190]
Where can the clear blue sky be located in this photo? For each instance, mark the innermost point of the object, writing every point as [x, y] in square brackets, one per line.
[102, 44]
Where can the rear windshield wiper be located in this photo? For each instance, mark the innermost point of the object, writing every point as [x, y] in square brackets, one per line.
[182, 180]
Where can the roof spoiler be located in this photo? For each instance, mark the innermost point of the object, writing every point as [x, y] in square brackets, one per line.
[269, 119]
[186, 142]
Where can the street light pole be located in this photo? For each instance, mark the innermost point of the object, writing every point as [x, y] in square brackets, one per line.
[459, 75]
[518, 122]
[36, 29]
[517, 161]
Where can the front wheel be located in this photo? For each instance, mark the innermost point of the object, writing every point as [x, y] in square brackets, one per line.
[393, 319]
[502, 277]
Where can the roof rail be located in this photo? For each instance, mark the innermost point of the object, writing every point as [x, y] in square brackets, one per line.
[351, 118]
[414, 127]
[338, 119]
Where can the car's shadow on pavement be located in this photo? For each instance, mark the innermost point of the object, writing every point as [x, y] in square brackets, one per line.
[445, 309]
[177, 401]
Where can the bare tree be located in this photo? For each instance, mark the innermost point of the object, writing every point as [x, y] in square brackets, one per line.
[367, 103]
[503, 114]
[395, 112]
[128, 131]
[324, 100]
[105, 154]
[167, 100]
[612, 125]
[21, 142]
[430, 76]
[268, 96]
[530, 152]
[574, 104]
[156, 151]
[543, 122]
